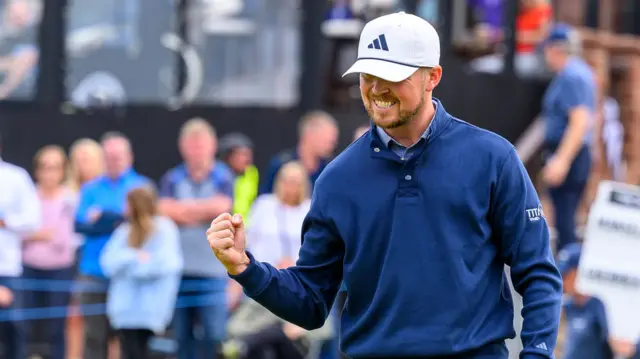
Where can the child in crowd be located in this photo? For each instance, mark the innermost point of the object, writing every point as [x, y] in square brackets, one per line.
[143, 261]
[586, 333]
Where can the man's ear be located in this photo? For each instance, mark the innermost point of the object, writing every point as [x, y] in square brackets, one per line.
[434, 75]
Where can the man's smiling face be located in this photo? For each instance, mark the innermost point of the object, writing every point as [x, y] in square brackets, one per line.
[393, 104]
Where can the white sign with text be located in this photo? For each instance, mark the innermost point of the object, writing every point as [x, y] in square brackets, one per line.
[610, 263]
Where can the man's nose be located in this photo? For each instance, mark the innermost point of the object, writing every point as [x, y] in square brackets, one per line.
[379, 87]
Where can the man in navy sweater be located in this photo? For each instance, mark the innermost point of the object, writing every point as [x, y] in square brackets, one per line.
[418, 217]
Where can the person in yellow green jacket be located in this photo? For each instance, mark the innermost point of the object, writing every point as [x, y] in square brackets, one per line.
[236, 150]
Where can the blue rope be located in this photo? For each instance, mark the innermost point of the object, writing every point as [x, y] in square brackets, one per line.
[17, 314]
[48, 285]
[79, 286]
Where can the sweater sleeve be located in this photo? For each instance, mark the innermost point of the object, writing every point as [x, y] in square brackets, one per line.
[304, 294]
[523, 237]
[166, 257]
[117, 258]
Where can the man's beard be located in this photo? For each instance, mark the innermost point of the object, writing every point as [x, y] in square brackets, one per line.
[405, 116]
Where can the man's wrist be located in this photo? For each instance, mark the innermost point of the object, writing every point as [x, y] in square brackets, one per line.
[239, 269]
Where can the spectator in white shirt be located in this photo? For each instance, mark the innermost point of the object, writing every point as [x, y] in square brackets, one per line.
[275, 222]
[19, 216]
[276, 219]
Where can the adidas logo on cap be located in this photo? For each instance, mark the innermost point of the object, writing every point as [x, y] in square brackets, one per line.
[379, 43]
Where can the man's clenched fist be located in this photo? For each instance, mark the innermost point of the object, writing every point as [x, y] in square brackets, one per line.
[227, 240]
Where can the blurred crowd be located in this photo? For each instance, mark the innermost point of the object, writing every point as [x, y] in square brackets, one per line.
[96, 251]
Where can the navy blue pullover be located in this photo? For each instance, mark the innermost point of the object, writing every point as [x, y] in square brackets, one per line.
[421, 246]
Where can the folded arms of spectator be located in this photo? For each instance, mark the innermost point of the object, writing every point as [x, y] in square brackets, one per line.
[103, 224]
[194, 211]
[91, 221]
[208, 209]
[175, 210]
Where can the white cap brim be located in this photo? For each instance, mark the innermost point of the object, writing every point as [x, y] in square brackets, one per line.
[385, 70]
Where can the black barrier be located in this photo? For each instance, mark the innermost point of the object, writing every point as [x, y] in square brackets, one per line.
[153, 130]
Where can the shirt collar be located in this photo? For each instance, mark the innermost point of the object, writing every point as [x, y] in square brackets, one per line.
[210, 174]
[388, 140]
[124, 175]
[570, 62]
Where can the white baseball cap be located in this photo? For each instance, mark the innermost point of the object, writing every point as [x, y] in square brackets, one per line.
[392, 47]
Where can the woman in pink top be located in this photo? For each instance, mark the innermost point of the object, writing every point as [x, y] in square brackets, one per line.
[48, 255]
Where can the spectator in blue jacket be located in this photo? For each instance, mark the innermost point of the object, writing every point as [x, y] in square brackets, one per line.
[143, 260]
[418, 218]
[100, 211]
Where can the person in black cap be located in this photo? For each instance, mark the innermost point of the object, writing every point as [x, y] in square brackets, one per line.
[236, 150]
